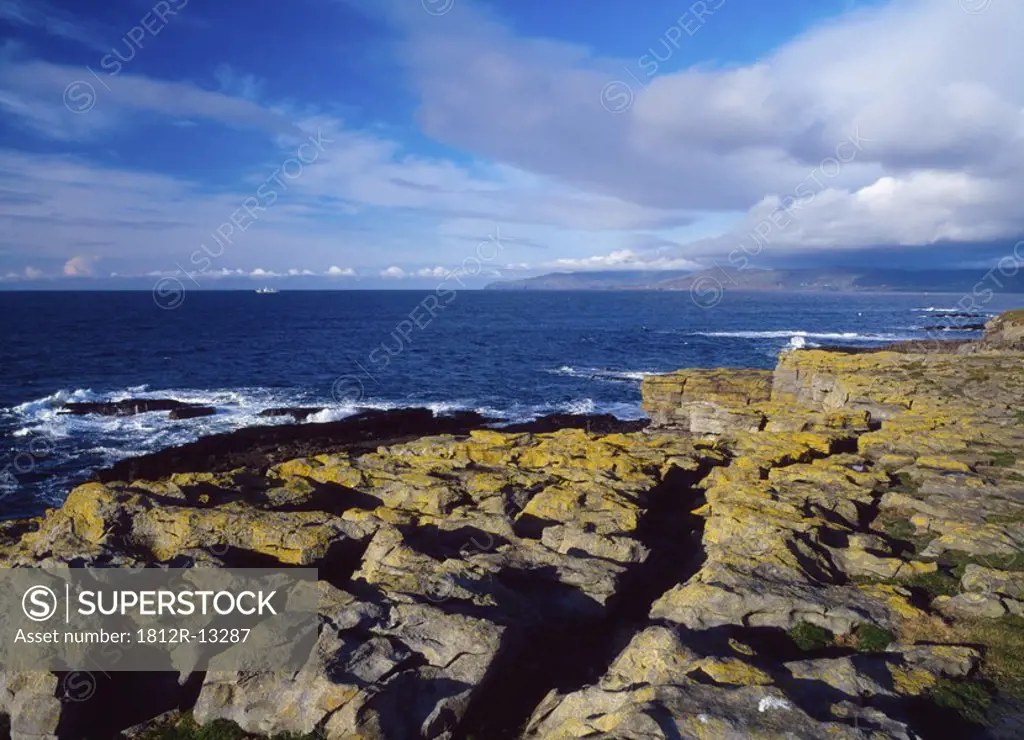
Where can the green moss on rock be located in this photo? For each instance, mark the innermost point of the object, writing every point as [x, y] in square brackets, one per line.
[939, 583]
[871, 639]
[1015, 317]
[1002, 459]
[899, 529]
[808, 636]
[1003, 643]
[186, 728]
[969, 699]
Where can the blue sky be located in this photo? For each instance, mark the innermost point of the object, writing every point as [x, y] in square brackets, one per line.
[386, 143]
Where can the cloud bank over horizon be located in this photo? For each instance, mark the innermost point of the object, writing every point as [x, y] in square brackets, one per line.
[388, 140]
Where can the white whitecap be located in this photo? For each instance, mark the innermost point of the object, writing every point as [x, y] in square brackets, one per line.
[849, 336]
[599, 373]
[579, 406]
[331, 414]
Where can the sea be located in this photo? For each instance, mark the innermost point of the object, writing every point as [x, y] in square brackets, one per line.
[509, 355]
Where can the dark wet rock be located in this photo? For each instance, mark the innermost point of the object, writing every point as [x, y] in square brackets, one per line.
[127, 407]
[191, 413]
[954, 327]
[962, 315]
[299, 413]
[935, 345]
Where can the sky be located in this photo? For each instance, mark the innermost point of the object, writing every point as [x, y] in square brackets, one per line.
[394, 143]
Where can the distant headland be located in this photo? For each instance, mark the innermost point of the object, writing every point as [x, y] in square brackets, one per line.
[789, 280]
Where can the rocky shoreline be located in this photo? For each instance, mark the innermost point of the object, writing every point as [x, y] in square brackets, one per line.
[833, 549]
[259, 447]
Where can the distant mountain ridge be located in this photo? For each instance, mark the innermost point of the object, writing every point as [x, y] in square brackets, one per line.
[609, 280]
[806, 279]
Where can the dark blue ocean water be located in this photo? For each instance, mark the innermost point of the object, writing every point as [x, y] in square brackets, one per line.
[516, 355]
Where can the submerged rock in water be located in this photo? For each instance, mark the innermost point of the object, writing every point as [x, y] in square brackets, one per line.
[830, 550]
[299, 413]
[193, 412]
[127, 407]
[954, 327]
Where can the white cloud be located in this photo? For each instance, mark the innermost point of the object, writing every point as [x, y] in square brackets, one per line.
[932, 90]
[58, 206]
[80, 266]
[57, 101]
[28, 273]
[68, 201]
[625, 260]
[433, 272]
[393, 272]
[335, 271]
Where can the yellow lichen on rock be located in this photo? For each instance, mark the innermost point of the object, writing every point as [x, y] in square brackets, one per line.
[734, 671]
[911, 681]
[89, 508]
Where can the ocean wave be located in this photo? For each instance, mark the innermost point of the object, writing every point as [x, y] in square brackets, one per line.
[848, 336]
[514, 413]
[52, 402]
[241, 407]
[580, 406]
[934, 309]
[800, 342]
[597, 373]
[110, 438]
[518, 413]
[332, 414]
[440, 408]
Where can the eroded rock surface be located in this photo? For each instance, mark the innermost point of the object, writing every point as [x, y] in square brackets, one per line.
[831, 550]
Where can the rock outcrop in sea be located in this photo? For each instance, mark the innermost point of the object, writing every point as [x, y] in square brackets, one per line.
[833, 549]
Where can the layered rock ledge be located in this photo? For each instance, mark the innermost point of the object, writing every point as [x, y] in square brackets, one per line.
[831, 550]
